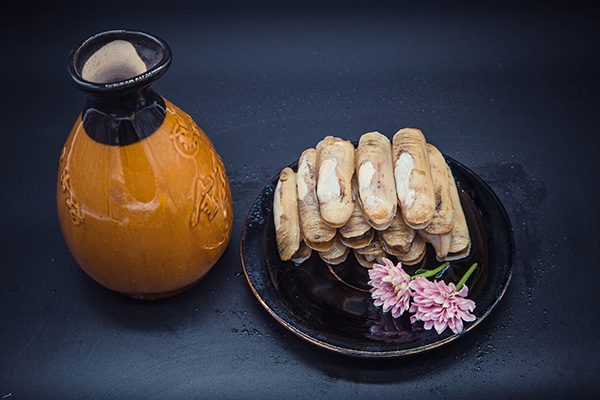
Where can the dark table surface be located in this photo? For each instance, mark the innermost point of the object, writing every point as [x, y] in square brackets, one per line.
[510, 90]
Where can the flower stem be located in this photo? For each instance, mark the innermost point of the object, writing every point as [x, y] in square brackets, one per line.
[428, 273]
[463, 280]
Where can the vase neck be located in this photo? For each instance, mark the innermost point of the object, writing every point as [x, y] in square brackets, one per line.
[116, 69]
[123, 119]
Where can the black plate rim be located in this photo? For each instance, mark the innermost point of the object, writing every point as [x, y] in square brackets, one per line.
[361, 353]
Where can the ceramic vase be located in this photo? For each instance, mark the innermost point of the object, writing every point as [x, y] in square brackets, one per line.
[143, 199]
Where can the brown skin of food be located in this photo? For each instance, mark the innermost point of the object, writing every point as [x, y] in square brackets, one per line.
[418, 212]
[303, 254]
[337, 254]
[357, 225]
[314, 229]
[335, 167]
[377, 259]
[319, 246]
[359, 241]
[398, 234]
[441, 243]
[443, 216]
[415, 254]
[460, 243]
[285, 210]
[375, 175]
[372, 254]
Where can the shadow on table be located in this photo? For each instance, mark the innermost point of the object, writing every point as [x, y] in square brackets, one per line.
[404, 369]
[168, 315]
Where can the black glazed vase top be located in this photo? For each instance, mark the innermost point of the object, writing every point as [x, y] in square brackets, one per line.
[116, 69]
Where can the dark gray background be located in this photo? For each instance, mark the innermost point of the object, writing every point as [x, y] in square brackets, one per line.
[511, 90]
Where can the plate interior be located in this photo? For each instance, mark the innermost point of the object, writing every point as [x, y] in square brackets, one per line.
[330, 305]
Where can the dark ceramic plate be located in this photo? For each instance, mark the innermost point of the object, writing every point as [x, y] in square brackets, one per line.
[331, 307]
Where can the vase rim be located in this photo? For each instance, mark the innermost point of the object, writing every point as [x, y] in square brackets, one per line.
[142, 41]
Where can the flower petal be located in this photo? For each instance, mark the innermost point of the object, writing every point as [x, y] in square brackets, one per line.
[440, 326]
[440, 305]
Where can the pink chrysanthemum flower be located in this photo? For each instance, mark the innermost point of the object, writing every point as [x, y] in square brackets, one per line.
[440, 306]
[390, 287]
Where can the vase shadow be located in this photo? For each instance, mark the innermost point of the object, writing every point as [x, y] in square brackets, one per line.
[167, 315]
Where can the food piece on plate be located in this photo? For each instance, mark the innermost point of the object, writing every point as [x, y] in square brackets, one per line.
[320, 246]
[337, 254]
[317, 234]
[359, 241]
[302, 254]
[366, 260]
[389, 249]
[443, 216]
[414, 186]
[285, 212]
[398, 236]
[335, 167]
[416, 252]
[375, 176]
[441, 243]
[371, 254]
[460, 244]
[357, 232]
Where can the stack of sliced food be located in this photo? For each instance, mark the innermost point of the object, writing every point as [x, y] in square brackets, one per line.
[380, 199]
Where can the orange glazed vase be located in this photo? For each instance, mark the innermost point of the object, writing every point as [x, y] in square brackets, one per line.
[143, 198]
